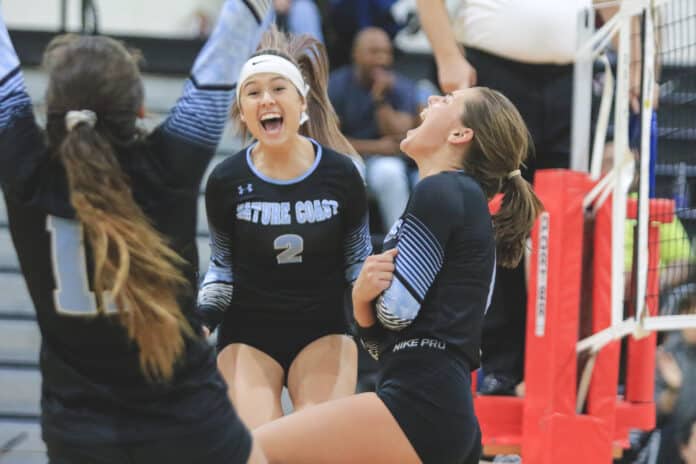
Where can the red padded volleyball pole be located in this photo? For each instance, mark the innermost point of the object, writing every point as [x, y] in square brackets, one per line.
[552, 432]
[640, 368]
[544, 425]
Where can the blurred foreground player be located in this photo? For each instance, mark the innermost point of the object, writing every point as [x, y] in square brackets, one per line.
[103, 218]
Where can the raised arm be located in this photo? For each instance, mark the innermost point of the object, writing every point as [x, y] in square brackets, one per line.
[14, 100]
[202, 111]
[453, 71]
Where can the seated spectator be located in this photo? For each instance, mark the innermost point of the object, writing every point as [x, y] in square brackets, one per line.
[345, 18]
[376, 106]
[299, 17]
[675, 383]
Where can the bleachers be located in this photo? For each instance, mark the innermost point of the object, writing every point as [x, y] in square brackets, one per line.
[676, 147]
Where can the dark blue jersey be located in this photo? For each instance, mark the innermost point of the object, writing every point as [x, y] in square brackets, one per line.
[286, 250]
[444, 271]
[93, 388]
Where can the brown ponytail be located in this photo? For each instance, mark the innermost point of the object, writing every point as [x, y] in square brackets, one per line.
[133, 263]
[519, 209]
[500, 145]
[309, 55]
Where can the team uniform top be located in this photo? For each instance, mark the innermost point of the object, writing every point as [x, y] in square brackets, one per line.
[286, 249]
[91, 372]
[444, 271]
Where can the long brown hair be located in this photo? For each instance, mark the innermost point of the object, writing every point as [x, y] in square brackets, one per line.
[500, 145]
[132, 261]
[309, 55]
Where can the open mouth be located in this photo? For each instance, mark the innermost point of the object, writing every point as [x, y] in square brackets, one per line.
[272, 123]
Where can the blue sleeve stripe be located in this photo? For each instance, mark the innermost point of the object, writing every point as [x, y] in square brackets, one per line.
[14, 100]
[356, 236]
[221, 267]
[200, 115]
[396, 308]
[218, 284]
[420, 256]
[423, 230]
[220, 246]
[215, 295]
[414, 278]
[358, 239]
[417, 255]
[357, 247]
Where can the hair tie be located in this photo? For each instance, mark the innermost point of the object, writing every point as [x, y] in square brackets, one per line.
[74, 118]
[514, 173]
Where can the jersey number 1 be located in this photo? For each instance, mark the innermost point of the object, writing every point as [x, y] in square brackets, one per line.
[72, 295]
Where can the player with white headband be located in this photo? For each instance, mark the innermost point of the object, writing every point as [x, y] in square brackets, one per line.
[289, 235]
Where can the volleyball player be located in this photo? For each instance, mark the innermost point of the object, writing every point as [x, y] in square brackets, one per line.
[289, 234]
[420, 304]
[103, 219]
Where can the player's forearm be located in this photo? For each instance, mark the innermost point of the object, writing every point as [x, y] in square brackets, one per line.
[234, 37]
[436, 25]
[364, 313]
[202, 111]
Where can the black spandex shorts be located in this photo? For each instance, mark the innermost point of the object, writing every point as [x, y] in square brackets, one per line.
[281, 339]
[428, 391]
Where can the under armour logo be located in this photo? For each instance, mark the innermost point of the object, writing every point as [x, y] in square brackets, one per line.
[242, 190]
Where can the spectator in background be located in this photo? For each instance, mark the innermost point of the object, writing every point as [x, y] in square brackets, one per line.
[299, 17]
[687, 441]
[675, 384]
[376, 106]
[347, 17]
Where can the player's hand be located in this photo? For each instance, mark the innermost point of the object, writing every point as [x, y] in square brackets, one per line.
[669, 369]
[456, 73]
[375, 277]
[206, 332]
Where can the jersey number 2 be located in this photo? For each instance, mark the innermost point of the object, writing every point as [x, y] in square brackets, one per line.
[292, 246]
[72, 295]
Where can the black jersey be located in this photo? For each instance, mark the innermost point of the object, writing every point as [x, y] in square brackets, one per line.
[288, 249]
[444, 271]
[93, 388]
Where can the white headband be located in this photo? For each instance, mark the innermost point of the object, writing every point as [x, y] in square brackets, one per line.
[276, 65]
